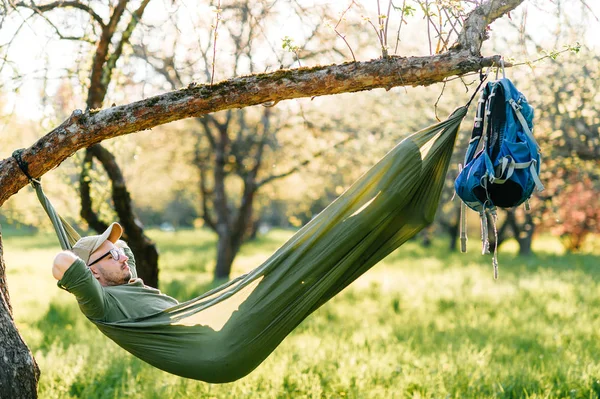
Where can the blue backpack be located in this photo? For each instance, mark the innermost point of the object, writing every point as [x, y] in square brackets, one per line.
[506, 169]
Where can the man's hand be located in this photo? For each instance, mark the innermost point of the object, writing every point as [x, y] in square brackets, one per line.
[62, 262]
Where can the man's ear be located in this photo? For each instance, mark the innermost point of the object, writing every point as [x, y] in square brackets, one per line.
[95, 272]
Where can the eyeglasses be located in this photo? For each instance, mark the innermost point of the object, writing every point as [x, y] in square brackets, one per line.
[115, 253]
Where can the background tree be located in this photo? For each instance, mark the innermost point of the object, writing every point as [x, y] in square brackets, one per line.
[232, 147]
[108, 38]
[568, 96]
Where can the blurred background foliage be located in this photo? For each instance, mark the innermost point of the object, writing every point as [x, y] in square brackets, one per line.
[316, 146]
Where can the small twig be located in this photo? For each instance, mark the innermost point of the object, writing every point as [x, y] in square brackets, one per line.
[426, 11]
[430, 23]
[5, 57]
[400, 27]
[437, 101]
[376, 32]
[387, 22]
[380, 31]
[453, 24]
[552, 55]
[585, 4]
[343, 37]
[218, 11]
[40, 9]
[466, 84]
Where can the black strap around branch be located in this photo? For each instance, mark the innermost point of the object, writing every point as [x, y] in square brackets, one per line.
[67, 235]
[24, 166]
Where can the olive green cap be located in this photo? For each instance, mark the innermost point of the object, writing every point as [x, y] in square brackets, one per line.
[86, 246]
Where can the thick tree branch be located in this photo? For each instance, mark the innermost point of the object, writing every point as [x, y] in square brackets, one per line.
[4, 295]
[125, 36]
[87, 212]
[82, 130]
[204, 195]
[474, 31]
[99, 75]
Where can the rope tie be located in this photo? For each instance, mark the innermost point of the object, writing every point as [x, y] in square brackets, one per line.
[67, 235]
[24, 166]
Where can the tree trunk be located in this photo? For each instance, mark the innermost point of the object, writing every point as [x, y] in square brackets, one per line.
[19, 372]
[523, 233]
[146, 254]
[146, 257]
[426, 237]
[225, 255]
[453, 229]
[450, 224]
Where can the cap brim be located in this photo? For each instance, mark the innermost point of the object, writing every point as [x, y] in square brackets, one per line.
[112, 233]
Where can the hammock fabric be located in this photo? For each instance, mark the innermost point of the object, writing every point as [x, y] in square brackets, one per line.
[226, 333]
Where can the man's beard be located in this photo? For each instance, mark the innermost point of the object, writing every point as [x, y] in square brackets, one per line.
[127, 277]
[119, 280]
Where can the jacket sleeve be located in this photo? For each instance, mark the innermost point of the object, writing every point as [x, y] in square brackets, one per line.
[79, 281]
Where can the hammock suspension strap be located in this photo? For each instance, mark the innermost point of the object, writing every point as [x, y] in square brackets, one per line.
[67, 235]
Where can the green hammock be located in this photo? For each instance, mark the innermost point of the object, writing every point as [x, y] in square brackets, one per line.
[226, 333]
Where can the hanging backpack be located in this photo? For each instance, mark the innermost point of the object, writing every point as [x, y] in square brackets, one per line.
[506, 169]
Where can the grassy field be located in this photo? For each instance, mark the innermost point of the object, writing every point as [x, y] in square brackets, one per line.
[424, 323]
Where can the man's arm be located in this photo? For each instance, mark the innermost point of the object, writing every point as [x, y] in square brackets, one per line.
[75, 277]
[62, 262]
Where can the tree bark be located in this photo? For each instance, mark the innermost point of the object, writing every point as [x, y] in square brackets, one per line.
[19, 372]
[452, 227]
[523, 233]
[225, 256]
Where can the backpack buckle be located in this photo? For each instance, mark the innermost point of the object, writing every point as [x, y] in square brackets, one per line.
[516, 106]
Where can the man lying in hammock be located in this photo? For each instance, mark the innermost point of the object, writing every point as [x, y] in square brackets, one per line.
[100, 271]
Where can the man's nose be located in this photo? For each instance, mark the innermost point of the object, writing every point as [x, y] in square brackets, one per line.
[124, 257]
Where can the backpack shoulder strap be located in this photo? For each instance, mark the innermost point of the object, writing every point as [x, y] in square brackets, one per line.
[517, 109]
[478, 125]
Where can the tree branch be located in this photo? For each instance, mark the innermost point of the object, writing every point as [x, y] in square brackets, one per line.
[82, 130]
[474, 30]
[135, 18]
[98, 83]
[62, 4]
[204, 194]
[87, 212]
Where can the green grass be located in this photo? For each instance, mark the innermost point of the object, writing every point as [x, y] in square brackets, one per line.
[424, 323]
